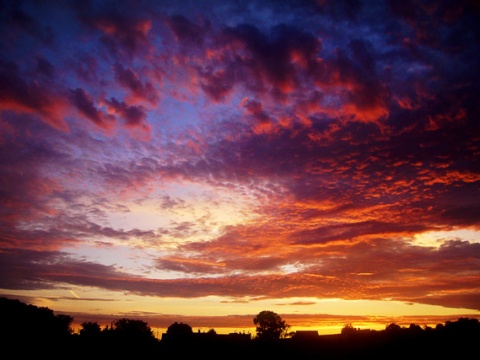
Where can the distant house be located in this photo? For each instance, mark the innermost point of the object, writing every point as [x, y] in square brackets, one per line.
[306, 335]
[231, 337]
[237, 337]
[181, 333]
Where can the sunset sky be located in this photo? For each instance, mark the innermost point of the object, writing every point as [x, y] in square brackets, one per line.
[202, 161]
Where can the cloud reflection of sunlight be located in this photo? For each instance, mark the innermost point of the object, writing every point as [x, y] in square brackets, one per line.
[437, 238]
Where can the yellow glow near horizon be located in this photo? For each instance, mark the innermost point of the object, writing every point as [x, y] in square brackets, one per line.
[94, 301]
[226, 315]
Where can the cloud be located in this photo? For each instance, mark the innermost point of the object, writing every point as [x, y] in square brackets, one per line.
[217, 83]
[86, 106]
[262, 120]
[85, 67]
[22, 96]
[336, 277]
[44, 67]
[131, 80]
[186, 31]
[298, 303]
[286, 63]
[124, 33]
[26, 187]
[20, 20]
[444, 19]
[276, 59]
[133, 116]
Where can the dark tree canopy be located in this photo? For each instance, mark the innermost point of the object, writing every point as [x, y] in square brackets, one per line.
[393, 328]
[270, 326]
[179, 329]
[178, 333]
[18, 318]
[348, 329]
[132, 329]
[90, 329]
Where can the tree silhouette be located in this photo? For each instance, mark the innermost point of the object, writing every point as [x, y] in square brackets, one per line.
[18, 318]
[178, 333]
[132, 329]
[126, 338]
[90, 329]
[270, 326]
[348, 329]
[463, 326]
[63, 324]
[393, 328]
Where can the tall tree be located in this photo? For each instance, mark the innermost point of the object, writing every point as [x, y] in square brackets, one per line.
[270, 326]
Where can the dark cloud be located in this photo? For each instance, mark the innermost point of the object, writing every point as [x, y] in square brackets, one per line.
[131, 80]
[85, 67]
[262, 119]
[434, 23]
[15, 90]
[26, 186]
[351, 231]
[132, 115]
[86, 106]
[23, 96]
[124, 32]
[18, 271]
[20, 19]
[276, 58]
[218, 83]
[342, 10]
[44, 67]
[186, 31]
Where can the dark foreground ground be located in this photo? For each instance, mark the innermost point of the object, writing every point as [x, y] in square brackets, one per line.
[378, 345]
[28, 332]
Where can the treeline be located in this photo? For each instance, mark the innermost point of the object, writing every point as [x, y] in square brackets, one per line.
[28, 330]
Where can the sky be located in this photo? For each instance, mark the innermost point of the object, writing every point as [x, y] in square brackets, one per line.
[202, 161]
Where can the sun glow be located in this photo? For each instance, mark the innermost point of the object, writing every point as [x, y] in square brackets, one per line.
[437, 238]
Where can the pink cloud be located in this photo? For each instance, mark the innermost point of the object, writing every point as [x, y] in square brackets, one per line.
[333, 277]
[277, 61]
[124, 34]
[86, 106]
[134, 117]
[262, 121]
[140, 91]
[21, 96]
[217, 83]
